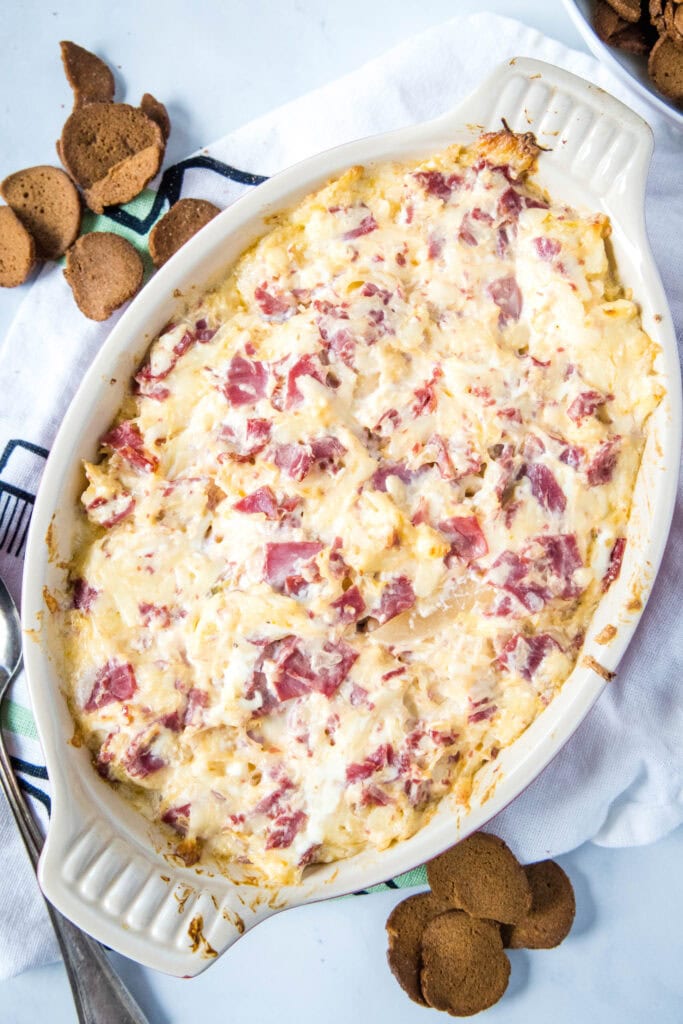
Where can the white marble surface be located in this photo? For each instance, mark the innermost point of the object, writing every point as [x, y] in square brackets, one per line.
[225, 64]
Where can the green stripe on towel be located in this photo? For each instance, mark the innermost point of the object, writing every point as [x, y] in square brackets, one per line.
[18, 719]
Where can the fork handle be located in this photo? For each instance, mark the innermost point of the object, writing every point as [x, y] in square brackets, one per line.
[99, 994]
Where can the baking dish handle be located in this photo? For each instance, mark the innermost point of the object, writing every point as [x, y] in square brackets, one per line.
[590, 136]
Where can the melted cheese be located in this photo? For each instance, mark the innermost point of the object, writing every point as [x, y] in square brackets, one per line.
[428, 376]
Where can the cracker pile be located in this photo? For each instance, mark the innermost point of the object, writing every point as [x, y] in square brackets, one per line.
[446, 947]
[110, 151]
[653, 29]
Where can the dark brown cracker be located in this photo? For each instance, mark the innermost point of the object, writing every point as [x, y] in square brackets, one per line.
[656, 9]
[124, 180]
[97, 137]
[89, 77]
[464, 968]
[629, 10]
[157, 112]
[46, 201]
[666, 68]
[183, 220]
[635, 38]
[103, 271]
[552, 912]
[483, 877]
[673, 20]
[606, 21]
[17, 249]
[404, 929]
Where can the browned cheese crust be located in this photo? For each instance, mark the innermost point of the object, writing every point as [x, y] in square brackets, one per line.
[46, 201]
[17, 249]
[464, 967]
[552, 909]
[483, 877]
[103, 271]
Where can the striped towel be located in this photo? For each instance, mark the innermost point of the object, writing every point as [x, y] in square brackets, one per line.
[621, 776]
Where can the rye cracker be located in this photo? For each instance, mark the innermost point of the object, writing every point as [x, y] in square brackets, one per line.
[157, 112]
[90, 78]
[404, 929]
[124, 180]
[629, 10]
[183, 220]
[656, 9]
[666, 68]
[606, 21]
[481, 876]
[97, 137]
[103, 271]
[17, 249]
[46, 201]
[637, 39]
[673, 21]
[464, 968]
[553, 907]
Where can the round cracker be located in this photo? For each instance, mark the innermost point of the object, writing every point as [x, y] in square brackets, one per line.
[666, 68]
[124, 180]
[553, 908]
[17, 249]
[183, 220]
[90, 78]
[464, 968]
[404, 927]
[46, 201]
[97, 137]
[482, 876]
[103, 271]
[155, 110]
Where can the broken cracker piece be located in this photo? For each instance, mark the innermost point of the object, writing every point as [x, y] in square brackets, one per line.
[183, 220]
[17, 249]
[629, 10]
[606, 21]
[97, 137]
[157, 112]
[46, 201]
[90, 78]
[124, 180]
[103, 271]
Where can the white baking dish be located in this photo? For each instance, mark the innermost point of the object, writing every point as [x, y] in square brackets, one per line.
[103, 865]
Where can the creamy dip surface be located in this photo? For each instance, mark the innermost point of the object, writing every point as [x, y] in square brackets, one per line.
[357, 511]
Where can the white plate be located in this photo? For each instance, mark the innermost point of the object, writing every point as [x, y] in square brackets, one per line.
[103, 865]
[629, 67]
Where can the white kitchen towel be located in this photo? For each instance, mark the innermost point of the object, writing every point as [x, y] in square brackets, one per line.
[619, 781]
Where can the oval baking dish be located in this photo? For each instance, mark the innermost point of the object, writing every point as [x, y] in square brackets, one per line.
[103, 865]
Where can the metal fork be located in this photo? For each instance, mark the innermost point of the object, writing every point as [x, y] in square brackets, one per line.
[99, 994]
